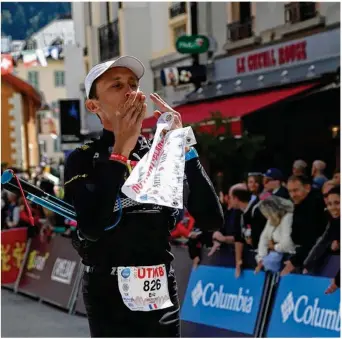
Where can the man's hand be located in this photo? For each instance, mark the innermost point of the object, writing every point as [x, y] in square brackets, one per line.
[332, 288]
[164, 107]
[238, 269]
[271, 245]
[335, 245]
[216, 247]
[127, 122]
[218, 236]
[287, 269]
[259, 267]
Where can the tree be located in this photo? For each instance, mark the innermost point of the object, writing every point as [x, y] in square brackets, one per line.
[224, 153]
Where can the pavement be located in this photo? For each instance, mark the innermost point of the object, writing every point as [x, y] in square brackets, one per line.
[23, 317]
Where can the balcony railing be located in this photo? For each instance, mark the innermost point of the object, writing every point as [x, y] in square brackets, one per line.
[109, 41]
[299, 11]
[177, 8]
[239, 31]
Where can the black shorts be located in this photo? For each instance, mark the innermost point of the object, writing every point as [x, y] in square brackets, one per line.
[109, 317]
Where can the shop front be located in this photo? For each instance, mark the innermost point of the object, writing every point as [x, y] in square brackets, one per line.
[292, 89]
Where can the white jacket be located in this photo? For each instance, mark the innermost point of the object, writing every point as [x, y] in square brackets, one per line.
[281, 235]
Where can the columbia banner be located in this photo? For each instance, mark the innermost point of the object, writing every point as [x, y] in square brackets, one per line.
[13, 245]
[215, 298]
[301, 309]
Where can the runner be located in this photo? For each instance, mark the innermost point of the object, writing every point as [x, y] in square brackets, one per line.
[129, 284]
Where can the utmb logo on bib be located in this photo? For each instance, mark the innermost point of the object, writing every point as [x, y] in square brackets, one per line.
[303, 310]
[216, 298]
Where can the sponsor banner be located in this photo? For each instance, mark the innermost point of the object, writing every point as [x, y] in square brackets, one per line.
[214, 297]
[301, 309]
[13, 245]
[51, 271]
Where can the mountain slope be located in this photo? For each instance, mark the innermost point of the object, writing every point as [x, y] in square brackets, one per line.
[22, 19]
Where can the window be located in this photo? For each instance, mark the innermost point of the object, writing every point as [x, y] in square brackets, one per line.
[178, 31]
[56, 145]
[33, 79]
[59, 79]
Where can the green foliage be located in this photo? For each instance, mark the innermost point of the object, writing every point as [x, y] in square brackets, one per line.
[22, 19]
[234, 157]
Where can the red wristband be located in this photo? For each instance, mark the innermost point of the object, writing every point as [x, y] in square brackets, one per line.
[118, 157]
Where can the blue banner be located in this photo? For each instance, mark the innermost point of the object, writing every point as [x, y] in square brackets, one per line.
[214, 297]
[301, 309]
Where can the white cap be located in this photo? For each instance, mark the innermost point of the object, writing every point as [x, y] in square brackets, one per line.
[130, 62]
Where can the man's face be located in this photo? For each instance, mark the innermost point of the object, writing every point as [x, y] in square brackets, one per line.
[337, 178]
[325, 189]
[270, 184]
[334, 205]
[111, 90]
[298, 192]
[233, 201]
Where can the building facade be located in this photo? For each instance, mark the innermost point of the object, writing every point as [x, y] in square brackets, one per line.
[19, 105]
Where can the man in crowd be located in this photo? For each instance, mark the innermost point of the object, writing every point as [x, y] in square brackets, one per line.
[299, 167]
[317, 172]
[273, 179]
[252, 223]
[309, 220]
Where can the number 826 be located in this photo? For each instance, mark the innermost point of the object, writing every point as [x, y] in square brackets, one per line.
[152, 285]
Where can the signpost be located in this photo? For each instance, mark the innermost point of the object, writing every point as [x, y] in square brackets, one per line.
[192, 44]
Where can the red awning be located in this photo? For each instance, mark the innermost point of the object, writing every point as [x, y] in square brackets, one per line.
[231, 107]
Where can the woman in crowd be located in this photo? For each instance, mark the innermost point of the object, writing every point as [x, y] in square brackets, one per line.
[254, 184]
[330, 240]
[275, 240]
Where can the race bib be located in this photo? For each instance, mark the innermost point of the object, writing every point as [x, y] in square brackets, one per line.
[144, 288]
[159, 175]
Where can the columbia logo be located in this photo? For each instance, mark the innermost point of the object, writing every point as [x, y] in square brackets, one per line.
[287, 307]
[197, 293]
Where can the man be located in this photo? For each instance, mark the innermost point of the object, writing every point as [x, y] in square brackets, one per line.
[129, 285]
[299, 167]
[309, 220]
[337, 177]
[317, 172]
[273, 179]
[252, 223]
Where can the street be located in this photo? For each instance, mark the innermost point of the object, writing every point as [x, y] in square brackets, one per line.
[22, 317]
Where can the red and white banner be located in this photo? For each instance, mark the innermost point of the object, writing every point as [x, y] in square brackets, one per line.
[13, 245]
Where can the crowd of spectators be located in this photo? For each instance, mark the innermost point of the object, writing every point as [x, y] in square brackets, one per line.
[289, 224]
[15, 214]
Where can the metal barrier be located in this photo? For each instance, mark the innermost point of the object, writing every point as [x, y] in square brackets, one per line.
[214, 303]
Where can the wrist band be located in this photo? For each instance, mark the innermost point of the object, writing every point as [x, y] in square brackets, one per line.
[191, 154]
[122, 158]
[118, 157]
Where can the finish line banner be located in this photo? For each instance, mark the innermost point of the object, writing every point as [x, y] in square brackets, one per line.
[13, 245]
[214, 297]
[301, 309]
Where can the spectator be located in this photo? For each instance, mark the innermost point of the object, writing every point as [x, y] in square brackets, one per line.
[327, 186]
[299, 167]
[4, 209]
[275, 239]
[13, 212]
[309, 220]
[273, 179]
[330, 240]
[231, 220]
[337, 177]
[254, 184]
[335, 284]
[317, 172]
[252, 223]
[183, 227]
